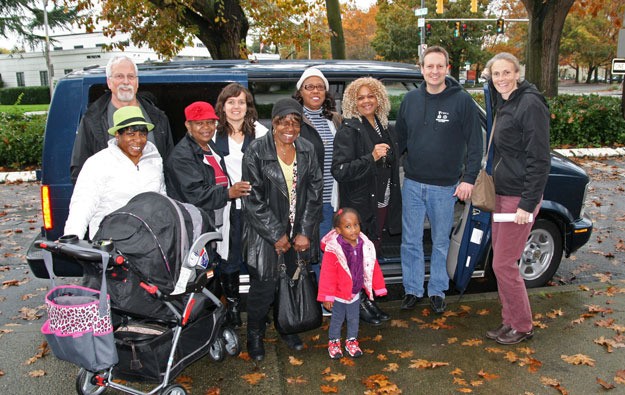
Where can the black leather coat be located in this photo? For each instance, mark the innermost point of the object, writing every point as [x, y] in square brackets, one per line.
[266, 209]
[190, 180]
[354, 169]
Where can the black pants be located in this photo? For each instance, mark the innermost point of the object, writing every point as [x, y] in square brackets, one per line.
[262, 294]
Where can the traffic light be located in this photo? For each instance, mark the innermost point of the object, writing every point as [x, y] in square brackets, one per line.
[428, 29]
[456, 29]
[500, 26]
[439, 6]
[473, 5]
[464, 30]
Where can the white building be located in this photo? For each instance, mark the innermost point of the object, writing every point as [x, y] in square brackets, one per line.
[76, 51]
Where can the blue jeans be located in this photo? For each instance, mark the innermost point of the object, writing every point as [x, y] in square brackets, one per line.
[437, 202]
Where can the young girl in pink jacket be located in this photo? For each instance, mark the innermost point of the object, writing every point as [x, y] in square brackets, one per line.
[349, 265]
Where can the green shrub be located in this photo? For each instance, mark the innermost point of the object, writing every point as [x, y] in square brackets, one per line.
[29, 95]
[583, 120]
[21, 140]
[586, 121]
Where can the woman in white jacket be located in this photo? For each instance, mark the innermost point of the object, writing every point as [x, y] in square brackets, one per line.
[109, 179]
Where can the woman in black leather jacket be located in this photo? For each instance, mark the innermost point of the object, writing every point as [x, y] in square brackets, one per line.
[282, 213]
[366, 167]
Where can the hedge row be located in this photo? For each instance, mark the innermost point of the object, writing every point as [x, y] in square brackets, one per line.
[25, 95]
[576, 121]
[21, 140]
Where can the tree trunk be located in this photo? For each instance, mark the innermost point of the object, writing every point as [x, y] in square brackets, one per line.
[337, 40]
[546, 21]
[589, 75]
[223, 39]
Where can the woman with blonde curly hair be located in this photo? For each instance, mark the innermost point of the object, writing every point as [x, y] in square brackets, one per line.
[365, 162]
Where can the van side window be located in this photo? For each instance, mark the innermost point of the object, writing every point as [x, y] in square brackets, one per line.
[172, 98]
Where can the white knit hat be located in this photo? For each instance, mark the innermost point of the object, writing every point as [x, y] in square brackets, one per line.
[312, 72]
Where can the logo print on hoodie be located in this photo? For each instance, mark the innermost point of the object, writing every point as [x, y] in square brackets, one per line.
[442, 117]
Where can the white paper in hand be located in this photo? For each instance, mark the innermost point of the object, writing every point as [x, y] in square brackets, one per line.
[508, 217]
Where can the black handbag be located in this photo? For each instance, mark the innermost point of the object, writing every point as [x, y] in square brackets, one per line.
[295, 307]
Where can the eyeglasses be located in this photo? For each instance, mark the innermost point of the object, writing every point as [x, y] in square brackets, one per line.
[120, 77]
[312, 87]
[201, 124]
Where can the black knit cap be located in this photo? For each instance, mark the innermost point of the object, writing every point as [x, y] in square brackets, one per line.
[285, 107]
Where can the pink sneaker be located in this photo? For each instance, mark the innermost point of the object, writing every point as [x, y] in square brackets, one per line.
[352, 348]
[334, 349]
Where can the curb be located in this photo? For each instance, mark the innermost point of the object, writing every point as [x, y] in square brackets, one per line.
[16, 176]
[27, 176]
[591, 152]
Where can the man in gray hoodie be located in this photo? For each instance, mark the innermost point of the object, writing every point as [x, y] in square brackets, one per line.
[438, 126]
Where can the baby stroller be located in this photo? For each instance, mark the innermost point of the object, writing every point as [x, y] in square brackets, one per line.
[164, 316]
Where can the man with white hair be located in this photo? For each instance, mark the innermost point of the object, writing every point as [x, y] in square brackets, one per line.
[123, 81]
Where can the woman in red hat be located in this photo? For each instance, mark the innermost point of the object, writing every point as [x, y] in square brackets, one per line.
[194, 173]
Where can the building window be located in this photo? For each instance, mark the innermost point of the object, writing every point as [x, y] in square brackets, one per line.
[78, 46]
[20, 78]
[58, 48]
[93, 56]
[99, 45]
[43, 77]
[67, 71]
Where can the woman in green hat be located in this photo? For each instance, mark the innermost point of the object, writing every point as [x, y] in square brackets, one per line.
[129, 166]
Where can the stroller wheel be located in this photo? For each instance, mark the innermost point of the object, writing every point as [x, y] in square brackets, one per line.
[232, 342]
[217, 350]
[174, 389]
[85, 383]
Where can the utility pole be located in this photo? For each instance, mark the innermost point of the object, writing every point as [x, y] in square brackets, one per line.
[47, 48]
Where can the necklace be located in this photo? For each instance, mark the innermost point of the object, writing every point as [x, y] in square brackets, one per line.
[283, 148]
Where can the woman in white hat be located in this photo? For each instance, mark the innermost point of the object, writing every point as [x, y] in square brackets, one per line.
[129, 166]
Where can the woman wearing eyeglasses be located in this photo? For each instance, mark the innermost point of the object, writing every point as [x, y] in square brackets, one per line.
[366, 167]
[281, 213]
[109, 179]
[320, 124]
[194, 172]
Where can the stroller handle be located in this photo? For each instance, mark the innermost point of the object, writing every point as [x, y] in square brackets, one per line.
[76, 249]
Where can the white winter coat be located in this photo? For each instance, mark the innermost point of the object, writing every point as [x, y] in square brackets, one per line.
[107, 181]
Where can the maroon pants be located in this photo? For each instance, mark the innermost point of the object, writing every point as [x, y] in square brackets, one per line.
[508, 244]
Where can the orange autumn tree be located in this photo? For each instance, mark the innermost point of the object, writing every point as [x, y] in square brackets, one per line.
[590, 35]
[221, 25]
[359, 27]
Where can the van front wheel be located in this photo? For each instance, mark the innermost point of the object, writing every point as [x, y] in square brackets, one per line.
[542, 254]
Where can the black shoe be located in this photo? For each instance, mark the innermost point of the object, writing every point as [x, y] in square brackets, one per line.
[495, 333]
[410, 301]
[255, 345]
[367, 315]
[514, 337]
[437, 303]
[373, 307]
[293, 342]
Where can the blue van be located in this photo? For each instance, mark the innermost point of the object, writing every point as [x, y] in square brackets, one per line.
[561, 227]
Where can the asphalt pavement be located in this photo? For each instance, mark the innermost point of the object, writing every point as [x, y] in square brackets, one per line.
[578, 347]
